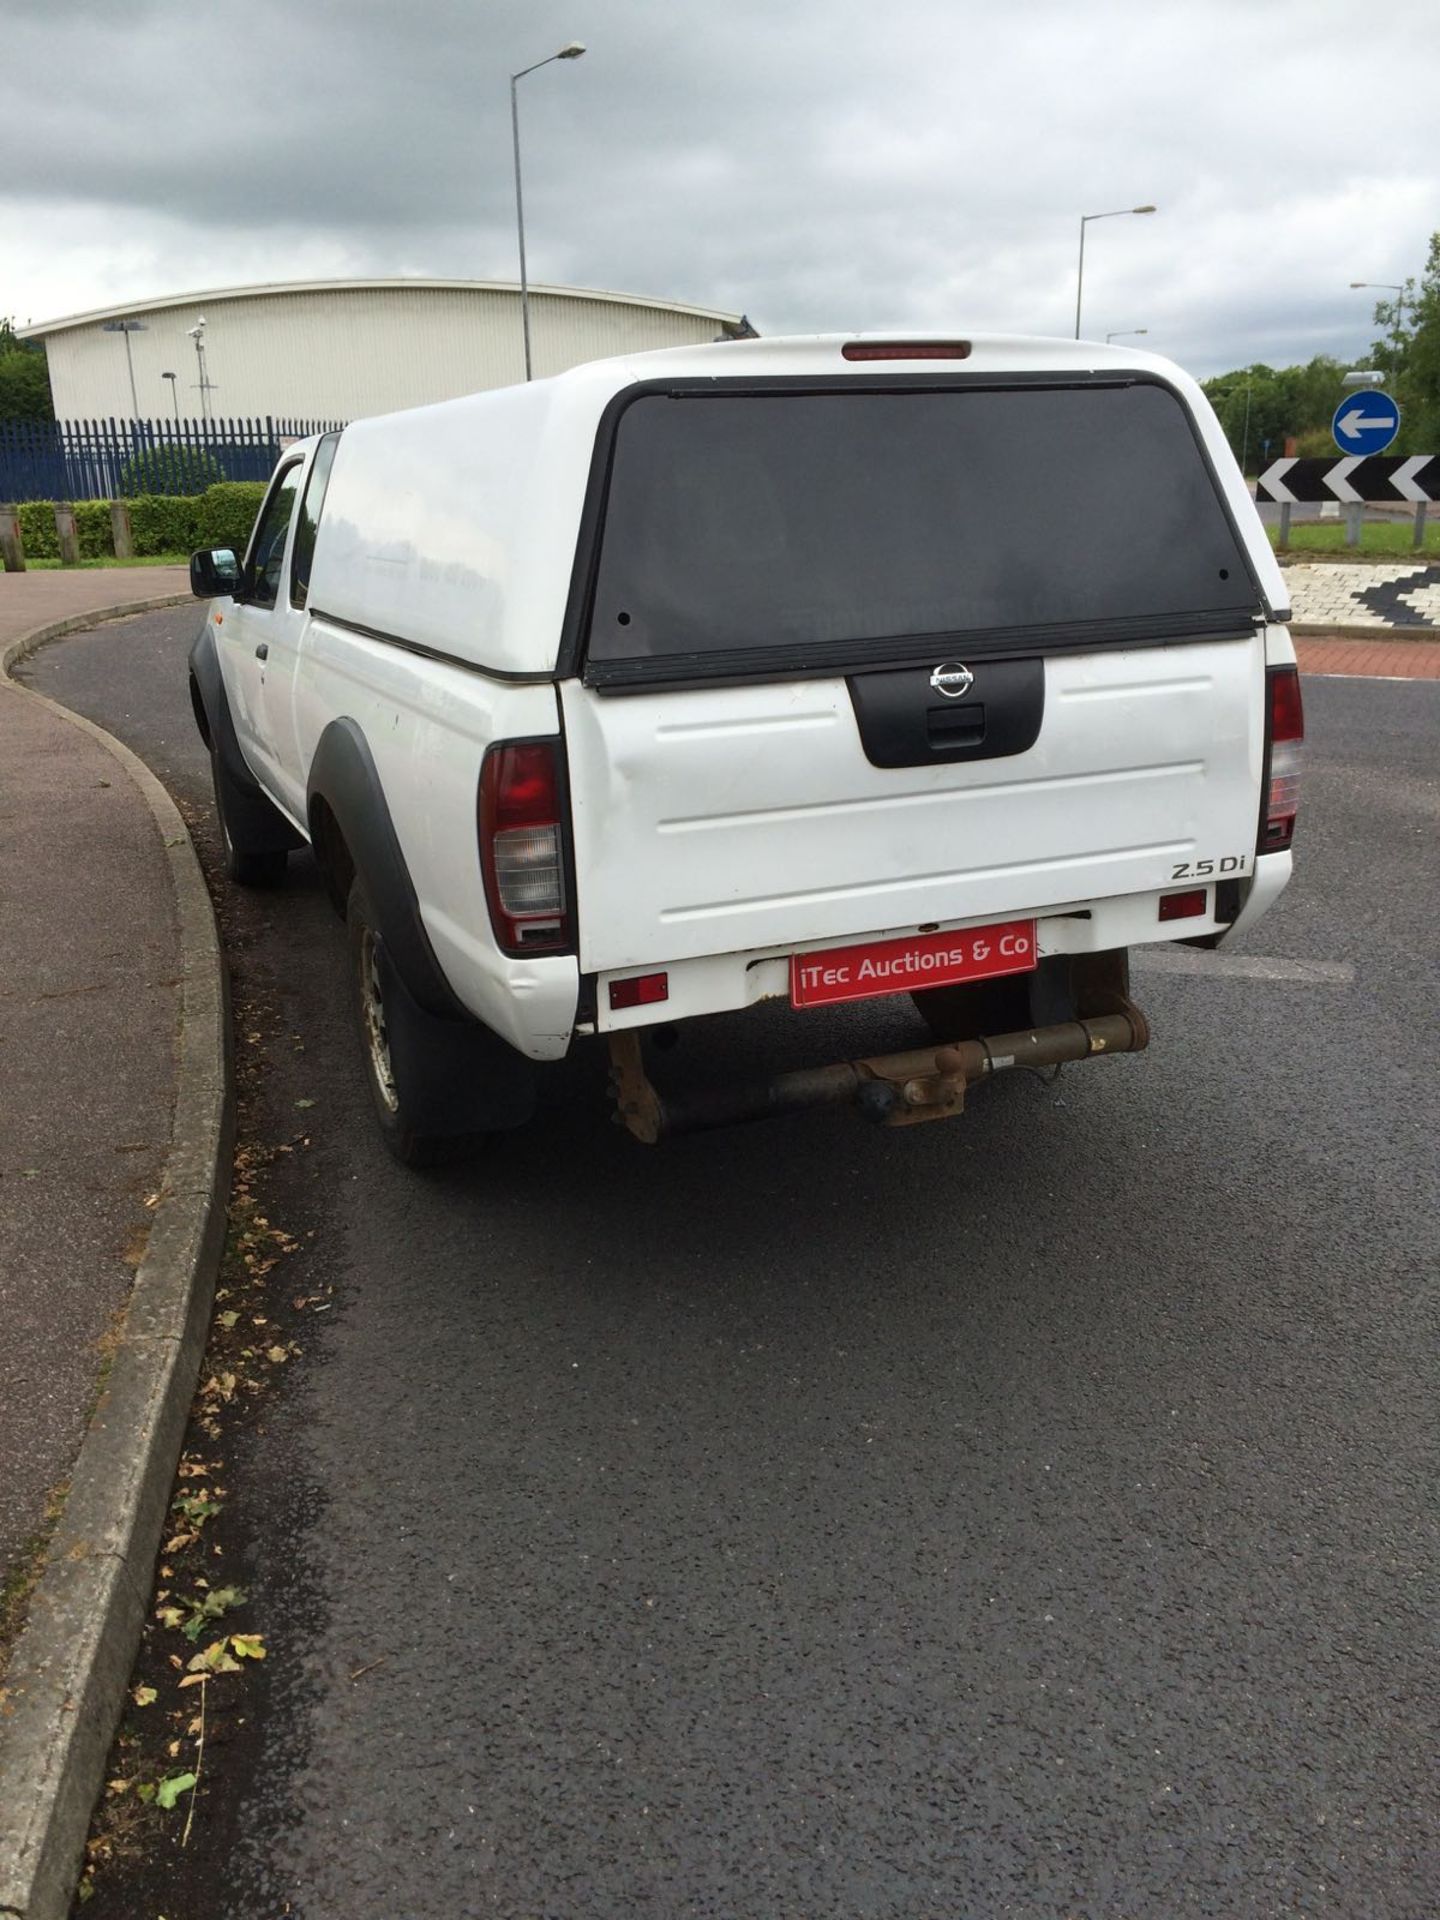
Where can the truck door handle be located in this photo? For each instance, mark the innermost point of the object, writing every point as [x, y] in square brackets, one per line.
[262, 652]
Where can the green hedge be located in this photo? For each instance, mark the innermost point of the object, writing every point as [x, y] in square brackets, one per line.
[37, 529]
[222, 516]
[163, 523]
[178, 470]
[226, 513]
[92, 526]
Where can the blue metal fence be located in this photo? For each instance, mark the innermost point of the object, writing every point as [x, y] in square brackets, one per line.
[118, 459]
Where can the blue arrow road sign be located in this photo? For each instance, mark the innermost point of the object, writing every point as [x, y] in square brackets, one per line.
[1365, 422]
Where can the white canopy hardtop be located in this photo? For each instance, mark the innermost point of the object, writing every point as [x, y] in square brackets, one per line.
[454, 527]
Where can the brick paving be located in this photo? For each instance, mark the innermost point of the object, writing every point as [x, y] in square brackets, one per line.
[1372, 659]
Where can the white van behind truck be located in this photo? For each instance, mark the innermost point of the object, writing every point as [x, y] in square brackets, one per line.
[811, 670]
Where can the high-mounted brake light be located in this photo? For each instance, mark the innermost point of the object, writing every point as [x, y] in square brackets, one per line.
[1284, 732]
[522, 846]
[905, 350]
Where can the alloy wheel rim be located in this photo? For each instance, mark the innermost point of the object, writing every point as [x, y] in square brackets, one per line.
[377, 1039]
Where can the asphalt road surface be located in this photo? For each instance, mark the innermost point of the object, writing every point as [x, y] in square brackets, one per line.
[1033, 1514]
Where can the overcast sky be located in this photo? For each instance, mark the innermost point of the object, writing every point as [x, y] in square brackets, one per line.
[820, 164]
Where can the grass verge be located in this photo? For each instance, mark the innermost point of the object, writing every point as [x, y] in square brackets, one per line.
[109, 560]
[1393, 540]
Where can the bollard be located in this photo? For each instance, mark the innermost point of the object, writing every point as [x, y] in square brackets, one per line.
[120, 534]
[66, 534]
[12, 540]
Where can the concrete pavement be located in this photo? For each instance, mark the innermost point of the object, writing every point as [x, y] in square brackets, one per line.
[88, 1011]
[88, 974]
[41, 596]
[114, 1143]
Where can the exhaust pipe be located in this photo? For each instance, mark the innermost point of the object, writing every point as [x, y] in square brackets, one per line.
[893, 1090]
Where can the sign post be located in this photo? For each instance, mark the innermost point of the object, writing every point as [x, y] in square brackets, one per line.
[1415, 480]
[1363, 424]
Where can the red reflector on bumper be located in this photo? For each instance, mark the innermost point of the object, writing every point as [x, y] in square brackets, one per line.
[645, 990]
[1184, 906]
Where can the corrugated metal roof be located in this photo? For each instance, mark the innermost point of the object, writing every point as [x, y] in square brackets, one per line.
[398, 283]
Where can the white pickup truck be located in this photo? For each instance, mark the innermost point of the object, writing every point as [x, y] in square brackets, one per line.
[808, 669]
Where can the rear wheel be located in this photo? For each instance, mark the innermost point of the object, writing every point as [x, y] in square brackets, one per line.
[247, 865]
[439, 1087]
[403, 1082]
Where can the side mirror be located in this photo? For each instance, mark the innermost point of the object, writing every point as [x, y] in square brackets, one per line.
[213, 570]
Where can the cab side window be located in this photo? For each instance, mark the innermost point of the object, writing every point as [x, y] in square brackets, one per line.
[267, 548]
[311, 508]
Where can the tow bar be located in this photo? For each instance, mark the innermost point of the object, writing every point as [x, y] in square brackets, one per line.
[894, 1090]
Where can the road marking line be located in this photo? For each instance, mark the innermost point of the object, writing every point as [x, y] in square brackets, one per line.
[1245, 966]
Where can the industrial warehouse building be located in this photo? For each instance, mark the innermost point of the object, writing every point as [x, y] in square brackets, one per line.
[340, 349]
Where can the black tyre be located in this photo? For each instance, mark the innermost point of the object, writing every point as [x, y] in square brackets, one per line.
[439, 1088]
[400, 1090]
[248, 865]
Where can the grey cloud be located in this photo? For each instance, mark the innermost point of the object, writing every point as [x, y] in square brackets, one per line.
[818, 162]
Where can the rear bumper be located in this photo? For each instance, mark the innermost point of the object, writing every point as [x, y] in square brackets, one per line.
[725, 982]
[1271, 877]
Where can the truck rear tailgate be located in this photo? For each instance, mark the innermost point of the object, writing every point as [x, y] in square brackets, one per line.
[738, 817]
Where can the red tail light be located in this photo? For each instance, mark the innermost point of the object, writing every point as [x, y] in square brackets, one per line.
[522, 847]
[1284, 732]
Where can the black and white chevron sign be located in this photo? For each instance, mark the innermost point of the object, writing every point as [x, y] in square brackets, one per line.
[1377, 479]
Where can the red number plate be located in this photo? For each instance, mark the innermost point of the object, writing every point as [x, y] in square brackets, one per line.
[915, 961]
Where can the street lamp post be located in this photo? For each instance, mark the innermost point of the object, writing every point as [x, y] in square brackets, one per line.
[572, 52]
[197, 334]
[1085, 220]
[1388, 286]
[1229, 394]
[127, 327]
[174, 393]
[1124, 333]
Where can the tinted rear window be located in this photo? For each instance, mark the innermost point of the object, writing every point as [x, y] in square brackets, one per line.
[765, 530]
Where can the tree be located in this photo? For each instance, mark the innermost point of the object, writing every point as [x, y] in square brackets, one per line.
[1410, 356]
[1299, 402]
[24, 378]
[1260, 407]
